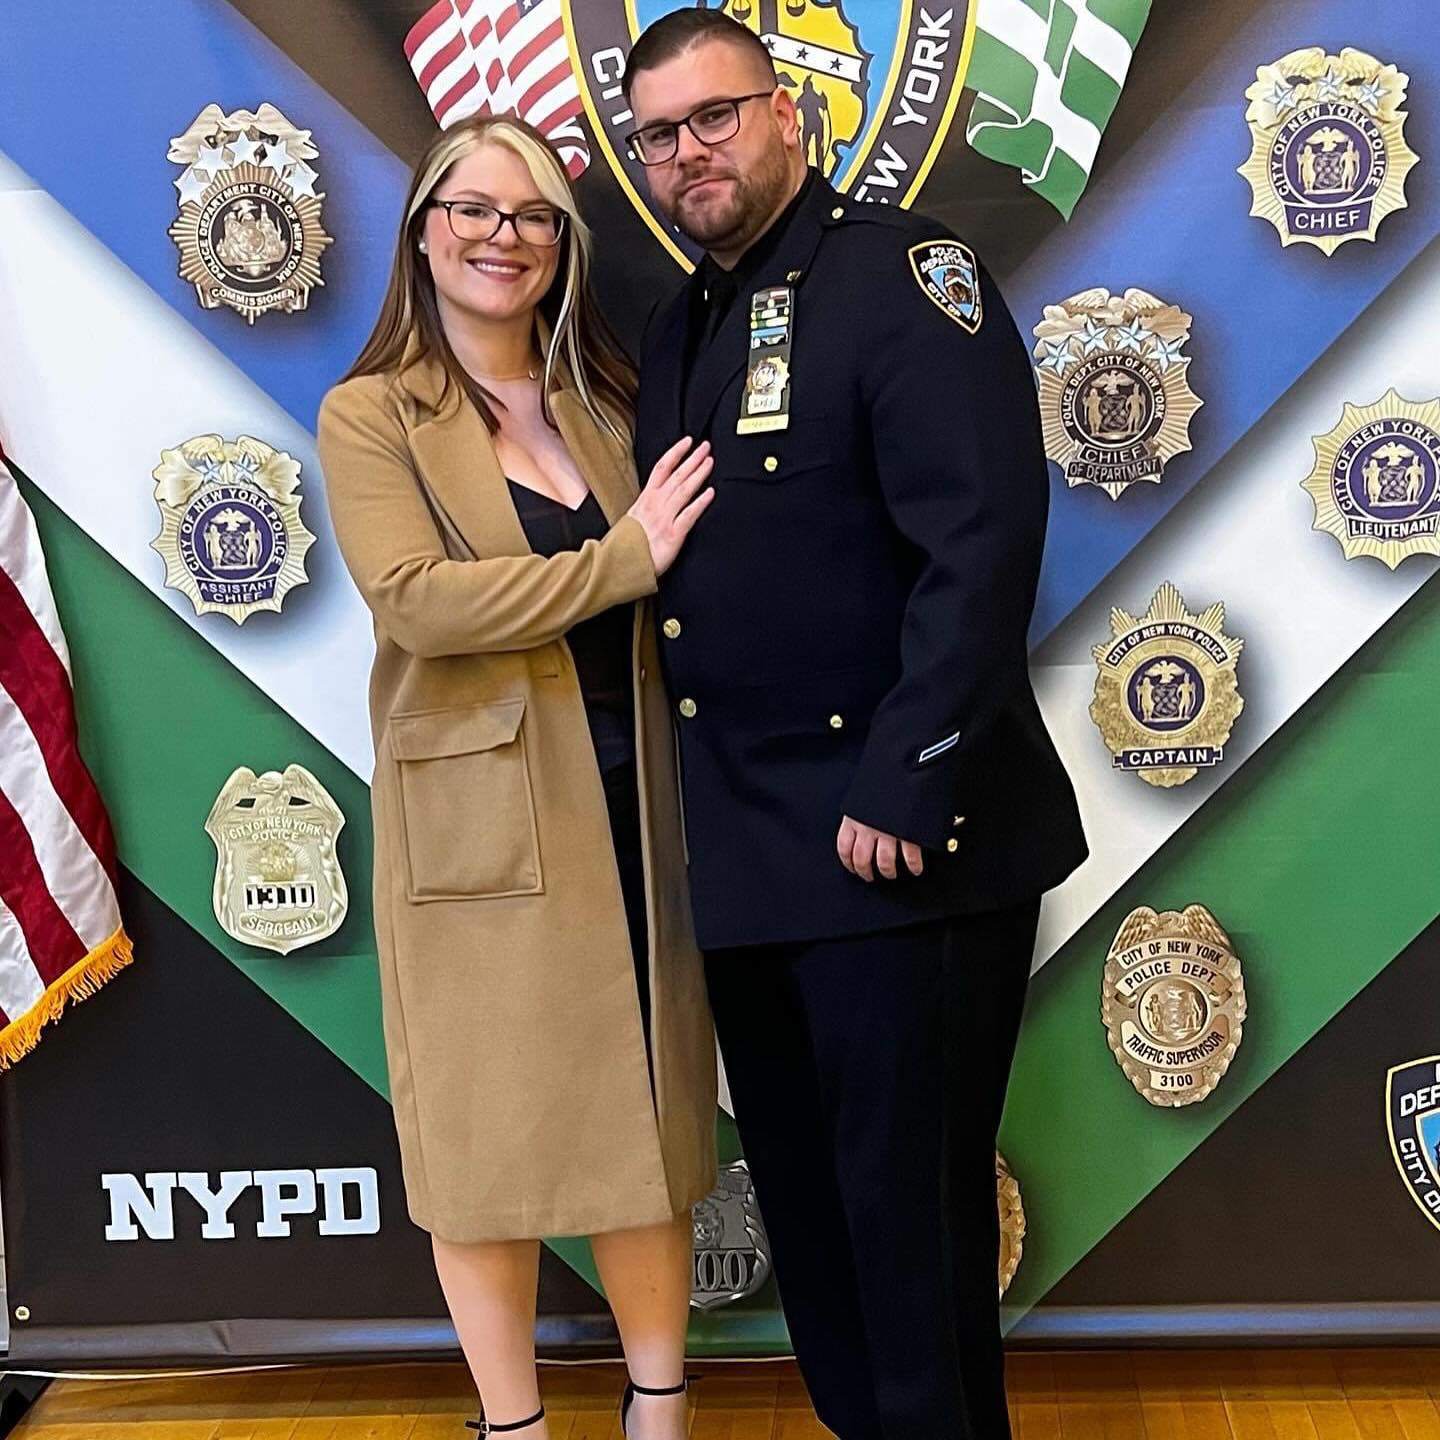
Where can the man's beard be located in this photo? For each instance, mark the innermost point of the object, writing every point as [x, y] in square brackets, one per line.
[754, 199]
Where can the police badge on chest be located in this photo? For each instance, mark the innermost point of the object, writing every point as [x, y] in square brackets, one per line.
[765, 404]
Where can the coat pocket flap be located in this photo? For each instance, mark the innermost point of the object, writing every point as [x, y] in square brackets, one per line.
[433, 733]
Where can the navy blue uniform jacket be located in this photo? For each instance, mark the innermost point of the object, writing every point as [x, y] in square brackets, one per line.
[844, 632]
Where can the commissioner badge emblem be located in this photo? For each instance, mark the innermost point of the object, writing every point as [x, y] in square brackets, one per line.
[731, 1251]
[1376, 481]
[230, 529]
[875, 86]
[1329, 157]
[1166, 696]
[249, 229]
[1012, 1221]
[278, 882]
[1115, 396]
[1412, 1116]
[1173, 1003]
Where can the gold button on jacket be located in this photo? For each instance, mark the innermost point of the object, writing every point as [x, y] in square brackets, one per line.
[672, 629]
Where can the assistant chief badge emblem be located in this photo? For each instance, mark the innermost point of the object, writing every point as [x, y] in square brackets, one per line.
[249, 229]
[1329, 157]
[1115, 396]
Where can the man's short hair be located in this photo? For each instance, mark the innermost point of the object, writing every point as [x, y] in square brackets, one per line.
[673, 34]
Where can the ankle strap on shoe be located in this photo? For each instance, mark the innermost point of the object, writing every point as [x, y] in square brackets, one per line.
[679, 1389]
[485, 1427]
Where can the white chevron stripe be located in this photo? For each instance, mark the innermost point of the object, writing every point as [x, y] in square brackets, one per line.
[1243, 536]
[97, 376]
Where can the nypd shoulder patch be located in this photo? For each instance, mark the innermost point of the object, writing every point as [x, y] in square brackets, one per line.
[946, 271]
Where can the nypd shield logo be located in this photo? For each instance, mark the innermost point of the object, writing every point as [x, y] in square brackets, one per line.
[947, 273]
[875, 85]
[1412, 1114]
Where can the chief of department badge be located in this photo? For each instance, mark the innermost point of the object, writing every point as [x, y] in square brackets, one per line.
[1012, 1221]
[1173, 1003]
[1166, 695]
[1329, 157]
[249, 229]
[949, 277]
[230, 529]
[1376, 481]
[278, 882]
[1412, 1116]
[1115, 396]
[732, 1254]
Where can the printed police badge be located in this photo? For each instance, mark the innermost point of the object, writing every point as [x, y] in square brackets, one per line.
[732, 1254]
[1173, 1003]
[1329, 157]
[249, 229]
[1412, 1116]
[278, 883]
[1376, 481]
[1012, 1221]
[875, 85]
[950, 278]
[1115, 396]
[1166, 696]
[230, 531]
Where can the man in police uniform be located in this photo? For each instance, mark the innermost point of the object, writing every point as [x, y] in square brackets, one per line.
[873, 806]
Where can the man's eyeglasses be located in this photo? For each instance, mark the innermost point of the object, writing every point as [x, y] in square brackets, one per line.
[475, 220]
[712, 124]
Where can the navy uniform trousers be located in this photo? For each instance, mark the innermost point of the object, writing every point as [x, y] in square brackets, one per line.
[873, 1162]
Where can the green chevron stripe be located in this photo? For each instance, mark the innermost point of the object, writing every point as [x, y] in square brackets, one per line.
[1320, 866]
[190, 718]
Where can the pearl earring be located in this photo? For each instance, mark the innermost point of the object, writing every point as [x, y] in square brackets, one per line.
[424, 248]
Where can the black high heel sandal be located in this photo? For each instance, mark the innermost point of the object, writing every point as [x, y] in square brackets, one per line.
[632, 1390]
[486, 1428]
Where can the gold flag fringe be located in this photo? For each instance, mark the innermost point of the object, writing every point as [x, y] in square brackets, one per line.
[78, 983]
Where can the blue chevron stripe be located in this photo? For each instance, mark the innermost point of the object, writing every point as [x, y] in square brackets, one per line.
[88, 108]
[1173, 218]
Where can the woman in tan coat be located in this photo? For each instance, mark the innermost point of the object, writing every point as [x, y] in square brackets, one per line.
[550, 1048]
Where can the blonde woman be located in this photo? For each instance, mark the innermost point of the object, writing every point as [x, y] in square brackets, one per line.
[549, 1043]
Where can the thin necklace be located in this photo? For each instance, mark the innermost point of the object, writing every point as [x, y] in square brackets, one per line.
[531, 373]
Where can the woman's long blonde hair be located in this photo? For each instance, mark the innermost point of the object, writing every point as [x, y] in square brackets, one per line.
[581, 343]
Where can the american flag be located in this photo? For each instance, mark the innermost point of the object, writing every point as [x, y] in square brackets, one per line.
[495, 57]
[60, 931]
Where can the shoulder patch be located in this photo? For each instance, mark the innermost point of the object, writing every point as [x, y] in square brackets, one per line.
[946, 271]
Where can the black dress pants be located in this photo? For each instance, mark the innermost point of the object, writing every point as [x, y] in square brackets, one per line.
[868, 1075]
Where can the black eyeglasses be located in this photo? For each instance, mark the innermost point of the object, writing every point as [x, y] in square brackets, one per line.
[475, 220]
[711, 124]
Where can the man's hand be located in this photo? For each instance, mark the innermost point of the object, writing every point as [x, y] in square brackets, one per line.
[862, 850]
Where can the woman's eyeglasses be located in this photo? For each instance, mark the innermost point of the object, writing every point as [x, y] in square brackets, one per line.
[712, 124]
[475, 220]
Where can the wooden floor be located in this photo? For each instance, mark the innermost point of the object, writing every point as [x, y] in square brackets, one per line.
[1249, 1395]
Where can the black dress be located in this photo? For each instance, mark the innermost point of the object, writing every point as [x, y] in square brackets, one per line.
[601, 649]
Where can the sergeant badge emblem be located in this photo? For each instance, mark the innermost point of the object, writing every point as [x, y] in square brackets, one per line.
[1173, 1003]
[1012, 1221]
[1329, 159]
[230, 531]
[732, 1253]
[1115, 396]
[249, 229]
[278, 883]
[1166, 696]
[948, 275]
[1376, 481]
[1412, 1116]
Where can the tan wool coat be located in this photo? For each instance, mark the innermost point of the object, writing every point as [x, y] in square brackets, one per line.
[512, 1025]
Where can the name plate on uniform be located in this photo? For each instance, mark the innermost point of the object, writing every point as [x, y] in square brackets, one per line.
[765, 404]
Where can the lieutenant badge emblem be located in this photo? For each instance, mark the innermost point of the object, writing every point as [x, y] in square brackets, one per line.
[278, 882]
[249, 229]
[1173, 1003]
[1376, 481]
[230, 532]
[1329, 157]
[732, 1254]
[1166, 696]
[1012, 1221]
[1115, 396]
[1412, 1116]
[947, 273]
